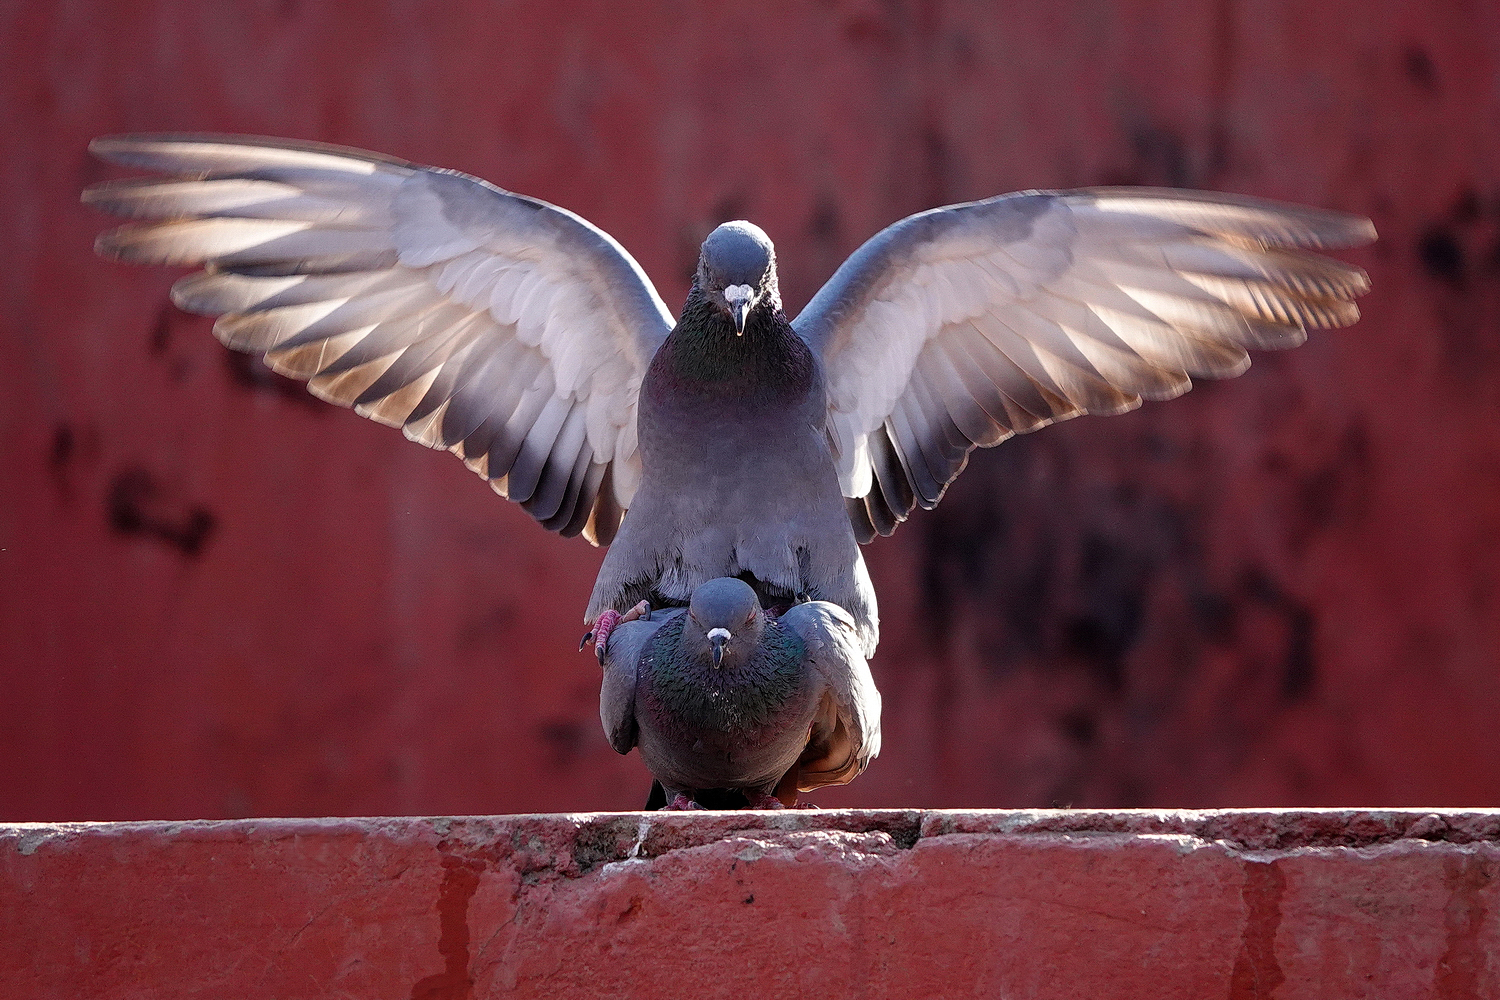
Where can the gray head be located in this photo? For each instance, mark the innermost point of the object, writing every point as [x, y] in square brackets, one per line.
[737, 270]
[726, 613]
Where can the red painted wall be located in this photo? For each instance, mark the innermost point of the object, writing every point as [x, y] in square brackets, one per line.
[1052, 906]
[219, 597]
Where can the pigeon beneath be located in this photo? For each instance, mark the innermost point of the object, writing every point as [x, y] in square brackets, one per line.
[721, 695]
[530, 344]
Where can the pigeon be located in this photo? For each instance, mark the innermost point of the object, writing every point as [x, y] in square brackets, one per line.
[733, 442]
[721, 695]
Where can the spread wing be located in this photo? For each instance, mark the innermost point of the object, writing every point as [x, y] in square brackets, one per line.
[846, 730]
[504, 329]
[956, 328]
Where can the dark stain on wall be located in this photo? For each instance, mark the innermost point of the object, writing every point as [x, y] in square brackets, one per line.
[1325, 490]
[1080, 726]
[161, 331]
[1157, 154]
[71, 450]
[1298, 665]
[138, 505]
[1052, 559]
[487, 628]
[1100, 631]
[938, 167]
[1442, 256]
[1161, 157]
[1468, 208]
[1460, 252]
[960, 554]
[565, 739]
[64, 443]
[1420, 69]
[824, 225]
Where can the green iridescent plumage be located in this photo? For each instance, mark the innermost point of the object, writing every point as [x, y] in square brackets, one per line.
[735, 700]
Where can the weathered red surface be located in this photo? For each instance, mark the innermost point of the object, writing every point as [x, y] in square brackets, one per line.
[826, 904]
[219, 597]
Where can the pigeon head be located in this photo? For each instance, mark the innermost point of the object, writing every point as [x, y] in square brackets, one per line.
[727, 615]
[737, 271]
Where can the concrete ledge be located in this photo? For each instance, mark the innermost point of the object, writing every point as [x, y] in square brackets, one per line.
[806, 903]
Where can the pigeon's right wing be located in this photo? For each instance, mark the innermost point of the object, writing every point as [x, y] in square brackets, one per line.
[846, 731]
[622, 658]
[956, 328]
[504, 329]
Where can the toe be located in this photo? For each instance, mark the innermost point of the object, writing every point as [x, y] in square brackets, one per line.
[603, 626]
[764, 800]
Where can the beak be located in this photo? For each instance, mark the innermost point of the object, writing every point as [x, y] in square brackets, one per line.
[717, 637]
[739, 298]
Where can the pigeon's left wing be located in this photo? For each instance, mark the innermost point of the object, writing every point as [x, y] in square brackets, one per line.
[846, 730]
[958, 327]
[504, 329]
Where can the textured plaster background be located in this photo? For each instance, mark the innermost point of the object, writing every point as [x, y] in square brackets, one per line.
[220, 597]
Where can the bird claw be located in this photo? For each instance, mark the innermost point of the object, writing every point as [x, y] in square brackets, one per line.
[607, 622]
[764, 800]
[603, 626]
[681, 803]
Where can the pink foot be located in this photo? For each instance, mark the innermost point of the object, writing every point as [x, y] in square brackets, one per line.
[763, 800]
[681, 803]
[607, 622]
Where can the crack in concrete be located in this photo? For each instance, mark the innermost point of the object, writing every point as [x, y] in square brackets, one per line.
[310, 921]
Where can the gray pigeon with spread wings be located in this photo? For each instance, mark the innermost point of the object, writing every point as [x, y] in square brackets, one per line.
[529, 343]
[720, 695]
